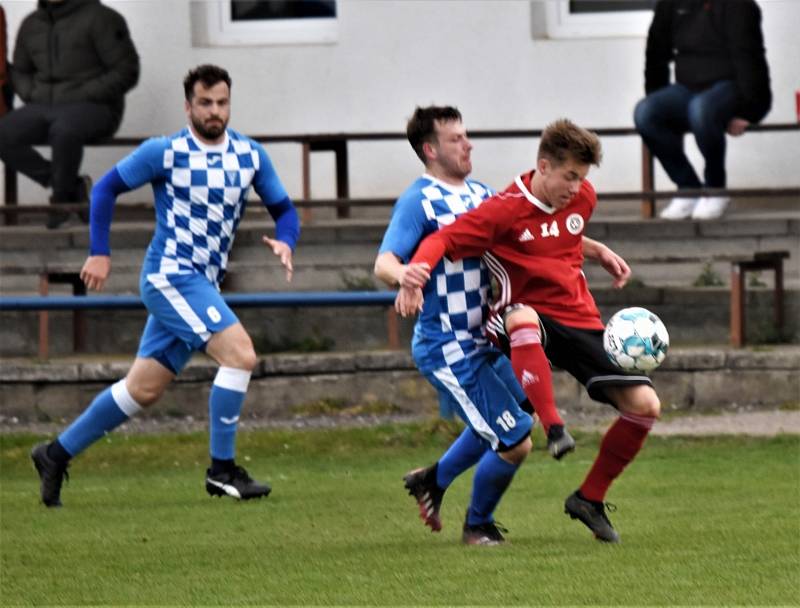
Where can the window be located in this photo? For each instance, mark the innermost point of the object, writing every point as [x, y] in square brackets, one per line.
[264, 22]
[592, 18]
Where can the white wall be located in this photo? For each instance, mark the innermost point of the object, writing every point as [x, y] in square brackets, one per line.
[392, 55]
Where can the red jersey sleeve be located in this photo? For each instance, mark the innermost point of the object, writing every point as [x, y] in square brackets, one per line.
[471, 235]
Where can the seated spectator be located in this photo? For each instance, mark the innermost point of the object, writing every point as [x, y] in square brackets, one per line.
[74, 60]
[721, 85]
[5, 88]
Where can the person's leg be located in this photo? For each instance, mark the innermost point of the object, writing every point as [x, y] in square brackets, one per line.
[533, 372]
[233, 349]
[144, 384]
[20, 130]
[639, 408]
[661, 119]
[73, 126]
[709, 113]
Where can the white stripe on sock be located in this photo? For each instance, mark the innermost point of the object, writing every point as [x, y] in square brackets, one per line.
[232, 379]
[123, 399]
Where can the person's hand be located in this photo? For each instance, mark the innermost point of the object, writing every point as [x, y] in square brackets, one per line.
[414, 275]
[408, 301]
[95, 271]
[615, 266]
[284, 252]
[737, 126]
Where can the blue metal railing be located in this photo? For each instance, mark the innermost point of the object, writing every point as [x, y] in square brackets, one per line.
[235, 300]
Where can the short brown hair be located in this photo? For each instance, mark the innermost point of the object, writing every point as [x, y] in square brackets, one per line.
[421, 126]
[208, 74]
[563, 140]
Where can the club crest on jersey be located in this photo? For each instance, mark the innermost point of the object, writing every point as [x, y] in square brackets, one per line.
[575, 223]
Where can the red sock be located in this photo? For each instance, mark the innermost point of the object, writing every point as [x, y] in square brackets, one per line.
[532, 369]
[621, 443]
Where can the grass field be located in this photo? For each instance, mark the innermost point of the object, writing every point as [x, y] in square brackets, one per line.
[712, 521]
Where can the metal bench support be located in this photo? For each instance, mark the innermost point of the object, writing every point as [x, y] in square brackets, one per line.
[766, 260]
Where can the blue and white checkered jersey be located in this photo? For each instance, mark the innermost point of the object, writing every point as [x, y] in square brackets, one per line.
[450, 326]
[200, 196]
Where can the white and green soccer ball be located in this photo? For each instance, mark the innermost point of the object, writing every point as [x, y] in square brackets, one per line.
[636, 340]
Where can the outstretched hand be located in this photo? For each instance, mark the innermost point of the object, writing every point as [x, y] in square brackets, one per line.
[283, 252]
[615, 266]
[408, 301]
[95, 271]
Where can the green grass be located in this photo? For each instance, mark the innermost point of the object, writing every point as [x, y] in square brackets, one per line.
[713, 521]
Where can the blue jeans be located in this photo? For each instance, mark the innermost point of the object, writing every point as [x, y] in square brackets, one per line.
[665, 115]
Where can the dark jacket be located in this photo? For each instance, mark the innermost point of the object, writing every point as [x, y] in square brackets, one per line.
[76, 50]
[710, 40]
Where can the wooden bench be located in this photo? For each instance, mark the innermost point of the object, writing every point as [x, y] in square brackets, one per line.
[338, 142]
[765, 260]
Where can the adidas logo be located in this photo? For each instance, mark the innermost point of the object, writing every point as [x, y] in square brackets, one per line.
[525, 236]
[528, 378]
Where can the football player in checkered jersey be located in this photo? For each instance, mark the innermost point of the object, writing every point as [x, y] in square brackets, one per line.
[532, 235]
[473, 379]
[200, 178]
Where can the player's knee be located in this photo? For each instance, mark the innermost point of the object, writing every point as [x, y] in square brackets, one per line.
[145, 394]
[521, 316]
[244, 357]
[518, 453]
[642, 402]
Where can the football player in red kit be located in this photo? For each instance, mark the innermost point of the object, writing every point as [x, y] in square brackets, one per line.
[532, 239]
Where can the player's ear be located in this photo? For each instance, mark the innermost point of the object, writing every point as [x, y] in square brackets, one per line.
[543, 166]
[429, 150]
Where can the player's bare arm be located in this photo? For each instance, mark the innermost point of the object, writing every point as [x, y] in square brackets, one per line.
[389, 269]
[95, 271]
[283, 252]
[613, 263]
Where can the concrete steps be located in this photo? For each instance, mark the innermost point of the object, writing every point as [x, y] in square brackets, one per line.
[293, 386]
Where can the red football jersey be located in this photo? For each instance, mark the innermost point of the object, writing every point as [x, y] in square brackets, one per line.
[533, 251]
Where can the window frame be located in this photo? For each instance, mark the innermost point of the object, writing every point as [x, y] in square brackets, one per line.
[213, 25]
[561, 23]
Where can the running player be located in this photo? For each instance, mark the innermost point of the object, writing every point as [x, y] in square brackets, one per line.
[473, 379]
[200, 178]
[535, 233]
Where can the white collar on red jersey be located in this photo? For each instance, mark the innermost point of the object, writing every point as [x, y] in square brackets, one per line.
[531, 198]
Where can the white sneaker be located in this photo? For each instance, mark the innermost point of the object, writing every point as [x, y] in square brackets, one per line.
[679, 208]
[710, 207]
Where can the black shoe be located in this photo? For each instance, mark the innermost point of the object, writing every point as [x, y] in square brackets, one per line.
[236, 483]
[483, 534]
[421, 484]
[559, 441]
[593, 515]
[51, 475]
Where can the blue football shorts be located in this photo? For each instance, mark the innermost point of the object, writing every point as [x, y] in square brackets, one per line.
[185, 311]
[484, 393]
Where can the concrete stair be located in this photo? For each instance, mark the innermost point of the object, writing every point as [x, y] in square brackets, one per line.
[666, 257]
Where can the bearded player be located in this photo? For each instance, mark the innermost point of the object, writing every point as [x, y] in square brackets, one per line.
[200, 177]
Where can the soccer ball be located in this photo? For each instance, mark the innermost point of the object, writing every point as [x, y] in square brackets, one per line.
[636, 339]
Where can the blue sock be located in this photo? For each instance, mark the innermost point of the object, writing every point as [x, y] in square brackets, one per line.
[464, 452]
[491, 480]
[109, 409]
[224, 406]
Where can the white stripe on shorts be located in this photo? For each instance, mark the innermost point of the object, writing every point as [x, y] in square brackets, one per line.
[179, 303]
[446, 376]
